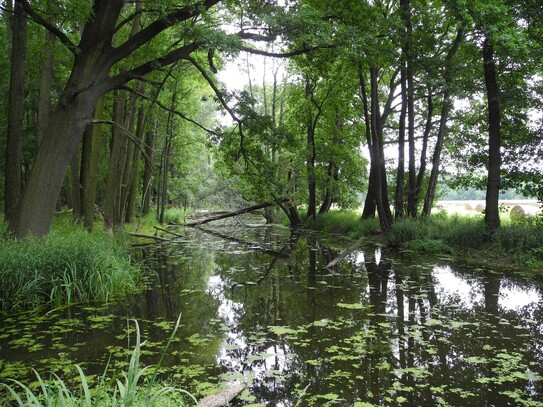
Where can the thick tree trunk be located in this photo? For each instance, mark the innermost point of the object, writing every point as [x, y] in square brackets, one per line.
[75, 190]
[44, 102]
[89, 166]
[13, 180]
[492, 216]
[65, 129]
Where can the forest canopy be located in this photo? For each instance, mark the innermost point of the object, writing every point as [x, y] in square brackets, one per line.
[116, 106]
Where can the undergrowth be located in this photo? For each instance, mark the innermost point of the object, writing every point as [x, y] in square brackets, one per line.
[519, 243]
[68, 265]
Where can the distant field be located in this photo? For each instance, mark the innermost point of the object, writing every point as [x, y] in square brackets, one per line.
[530, 206]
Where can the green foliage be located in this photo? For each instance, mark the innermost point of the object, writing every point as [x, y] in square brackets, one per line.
[175, 215]
[68, 265]
[139, 387]
[429, 246]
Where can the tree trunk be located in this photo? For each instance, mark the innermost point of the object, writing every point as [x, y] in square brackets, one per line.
[400, 177]
[148, 172]
[442, 132]
[51, 164]
[134, 172]
[369, 204]
[492, 216]
[116, 165]
[381, 193]
[165, 169]
[14, 140]
[311, 156]
[75, 195]
[411, 196]
[89, 166]
[44, 102]
[425, 137]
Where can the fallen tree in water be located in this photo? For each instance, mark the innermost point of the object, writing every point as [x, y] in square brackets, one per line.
[225, 215]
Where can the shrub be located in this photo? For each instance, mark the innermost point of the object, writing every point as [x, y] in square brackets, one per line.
[68, 265]
[429, 246]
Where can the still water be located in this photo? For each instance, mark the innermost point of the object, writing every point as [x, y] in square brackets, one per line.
[258, 306]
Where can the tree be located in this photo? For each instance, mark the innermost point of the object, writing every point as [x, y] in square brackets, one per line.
[13, 180]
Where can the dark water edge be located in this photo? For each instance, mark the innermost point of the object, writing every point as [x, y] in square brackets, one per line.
[258, 306]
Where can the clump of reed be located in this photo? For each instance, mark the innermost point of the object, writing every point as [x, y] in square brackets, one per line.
[66, 266]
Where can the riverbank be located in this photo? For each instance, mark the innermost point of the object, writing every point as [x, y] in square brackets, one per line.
[517, 245]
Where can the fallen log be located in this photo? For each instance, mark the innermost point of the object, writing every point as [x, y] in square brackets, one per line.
[345, 253]
[229, 214]
[168, 231]
[144, 236]
[223, 398]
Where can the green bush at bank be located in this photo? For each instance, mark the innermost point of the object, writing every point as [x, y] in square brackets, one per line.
[66, 266]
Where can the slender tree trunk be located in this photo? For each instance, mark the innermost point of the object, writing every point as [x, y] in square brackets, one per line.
[116, 165]
[492, 216]
[127, 160]
[442, 132]
[400, 177]
[148, 172]
[369, 204]
[381, 193]
[14, 140]
[165, 170]
[311, 155]
[411, 197]
[425, 137]
[89, 166]
[134, 172]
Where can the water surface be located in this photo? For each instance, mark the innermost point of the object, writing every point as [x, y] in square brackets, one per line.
[258, 306]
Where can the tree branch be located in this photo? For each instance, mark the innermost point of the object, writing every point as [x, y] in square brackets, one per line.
[285, 54]
[158, 26]
[150, 66]
[161, 105]
[131, 137]
[215, 89]
[48, 26]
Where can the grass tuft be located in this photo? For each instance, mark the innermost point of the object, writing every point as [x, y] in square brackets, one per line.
[68, 265]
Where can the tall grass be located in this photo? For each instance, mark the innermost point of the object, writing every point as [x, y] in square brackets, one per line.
[517, 241]
[138, 387]
[68, 265]
[175, 215]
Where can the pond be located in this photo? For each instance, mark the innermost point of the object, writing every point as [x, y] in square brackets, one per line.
[258, 306]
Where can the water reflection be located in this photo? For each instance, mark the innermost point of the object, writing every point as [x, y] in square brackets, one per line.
[258, 306]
